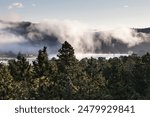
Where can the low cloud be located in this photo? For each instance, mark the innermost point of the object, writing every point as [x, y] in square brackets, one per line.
[76, 33]
[83, 38]
[30, 38]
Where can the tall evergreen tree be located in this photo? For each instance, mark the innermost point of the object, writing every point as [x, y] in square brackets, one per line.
[6, 83]
[68, 69]
[66, 54]
[20, 68]
[41, 65]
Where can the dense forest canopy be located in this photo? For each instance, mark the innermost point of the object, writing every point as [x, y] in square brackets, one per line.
[69, 78]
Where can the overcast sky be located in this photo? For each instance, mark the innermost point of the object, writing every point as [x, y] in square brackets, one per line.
[100, 13]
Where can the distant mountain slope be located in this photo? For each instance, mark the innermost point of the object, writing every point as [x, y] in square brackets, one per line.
[143, 30]
[33, 36]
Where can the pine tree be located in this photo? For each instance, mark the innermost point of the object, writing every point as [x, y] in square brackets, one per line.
[41, 65]
[66, 54]
[68, 70]
[6, 83]
[20, 68]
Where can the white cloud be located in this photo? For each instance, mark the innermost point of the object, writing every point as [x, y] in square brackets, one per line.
[34, 5]
[15, 5]
[125, 6]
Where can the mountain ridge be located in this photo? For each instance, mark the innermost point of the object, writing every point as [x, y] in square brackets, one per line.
[38, 38]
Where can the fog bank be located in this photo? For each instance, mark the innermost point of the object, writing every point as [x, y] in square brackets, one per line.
[29, 37]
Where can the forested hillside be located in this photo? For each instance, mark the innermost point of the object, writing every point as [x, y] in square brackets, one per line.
[66, 77]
